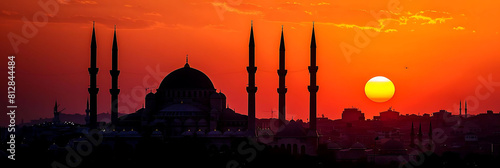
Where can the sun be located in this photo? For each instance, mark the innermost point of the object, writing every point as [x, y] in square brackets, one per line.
[379, 89]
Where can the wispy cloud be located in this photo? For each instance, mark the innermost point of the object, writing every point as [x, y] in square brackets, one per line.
[228, 8]
[391, 24]
[320, 3]
[458, 28]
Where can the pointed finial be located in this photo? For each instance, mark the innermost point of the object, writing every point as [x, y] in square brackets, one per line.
[115, 27]
[187, 62]
[251, 23]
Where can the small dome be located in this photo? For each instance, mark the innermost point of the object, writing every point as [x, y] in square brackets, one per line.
[131, 133]
[109, 133]
[333, 145]
[156, 133]
[222, 95]
[214, 133]
[53, 147]
[240, 133]
[228, 133]
[358, 145]
[200, 132]
[187, 133]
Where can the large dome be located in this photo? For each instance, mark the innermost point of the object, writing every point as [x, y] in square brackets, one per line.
[186, 78]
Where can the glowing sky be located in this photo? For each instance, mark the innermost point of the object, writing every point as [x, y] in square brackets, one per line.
[435, 52]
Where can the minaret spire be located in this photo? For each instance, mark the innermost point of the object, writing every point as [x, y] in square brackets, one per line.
[93, 90]
[56, 119]
[313, 88]
[114, 81]
[187, 61]
[460, 109]
[251, 89]
[466, 109]
[282, 73]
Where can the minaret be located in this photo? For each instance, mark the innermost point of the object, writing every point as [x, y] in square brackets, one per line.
[93, 90]
[313, 88]
[251, 89]
[114, 81]
[412, 136]
[56, 119]
[282, 73]
[460, 109]
[466, 109]
[87, 111]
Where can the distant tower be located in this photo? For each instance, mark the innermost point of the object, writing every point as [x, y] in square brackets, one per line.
[465, 109]
[93, 90]
[282, 73]
[114, 81]
[460, 109]
[412, 136]
[87, 111]
[251, 89]
[313, 88]
[56, 119]
[420, 133]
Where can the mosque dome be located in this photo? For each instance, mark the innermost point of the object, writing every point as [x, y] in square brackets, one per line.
[358, 145]
[186, 78]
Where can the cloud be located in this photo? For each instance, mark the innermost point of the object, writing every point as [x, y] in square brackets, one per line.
[458, 28]
[70, 2]
[319, 4]
[87, 2]
[403, 19]
[310, 13]
[226, 7]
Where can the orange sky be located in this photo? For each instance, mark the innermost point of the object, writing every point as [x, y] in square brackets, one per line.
[449, 47]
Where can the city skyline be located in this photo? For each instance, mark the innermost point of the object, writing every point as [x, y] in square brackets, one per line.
[419, 89]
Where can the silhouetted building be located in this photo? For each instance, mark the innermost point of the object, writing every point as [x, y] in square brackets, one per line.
[93, 90]
[114, 81]
[251, 89]
[389, 115]
[186, 101]
[352, 114]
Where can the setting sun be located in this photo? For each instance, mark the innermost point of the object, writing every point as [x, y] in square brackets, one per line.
[379, 89]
